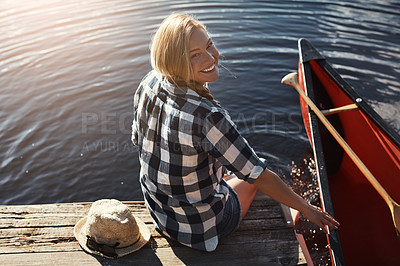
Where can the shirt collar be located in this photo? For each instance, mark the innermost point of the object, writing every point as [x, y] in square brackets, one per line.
[178, 90]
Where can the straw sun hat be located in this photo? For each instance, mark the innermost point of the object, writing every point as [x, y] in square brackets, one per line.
[110, 230]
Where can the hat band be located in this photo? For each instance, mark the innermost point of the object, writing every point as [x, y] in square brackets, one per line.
[105, 249]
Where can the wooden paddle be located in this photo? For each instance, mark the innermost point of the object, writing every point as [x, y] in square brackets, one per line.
[292, 80]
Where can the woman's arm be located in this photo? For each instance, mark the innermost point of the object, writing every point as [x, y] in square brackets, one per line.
[270, 184]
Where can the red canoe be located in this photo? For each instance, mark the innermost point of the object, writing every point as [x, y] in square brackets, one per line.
[367, 235]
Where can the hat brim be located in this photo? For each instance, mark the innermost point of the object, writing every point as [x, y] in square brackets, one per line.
[80, 235]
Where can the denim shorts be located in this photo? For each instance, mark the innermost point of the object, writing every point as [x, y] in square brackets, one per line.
[232, 215]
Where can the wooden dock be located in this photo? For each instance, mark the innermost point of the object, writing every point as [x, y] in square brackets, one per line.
[43, 235]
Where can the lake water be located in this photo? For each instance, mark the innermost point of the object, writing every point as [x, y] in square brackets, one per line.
[68, 71]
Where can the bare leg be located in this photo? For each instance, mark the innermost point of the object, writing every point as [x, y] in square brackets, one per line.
[245, 191]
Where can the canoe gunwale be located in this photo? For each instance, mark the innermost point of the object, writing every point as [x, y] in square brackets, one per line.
[320, 166]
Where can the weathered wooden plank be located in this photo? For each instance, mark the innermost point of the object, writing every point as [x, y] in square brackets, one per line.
[61, 239]
[273, 253]
[56, 219]
[143, 257]
[66, 207]
[264, 212]
[27, 234]
[33, 235]
[49, 215]
[67, 211]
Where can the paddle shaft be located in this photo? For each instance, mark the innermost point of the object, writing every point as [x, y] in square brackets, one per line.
[292, 79]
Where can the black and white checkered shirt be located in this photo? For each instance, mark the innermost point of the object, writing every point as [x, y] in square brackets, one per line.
[186, 142]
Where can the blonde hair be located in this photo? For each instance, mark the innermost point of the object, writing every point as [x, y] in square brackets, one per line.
[170, 52]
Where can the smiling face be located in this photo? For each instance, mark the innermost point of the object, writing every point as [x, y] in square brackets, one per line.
[203, 57]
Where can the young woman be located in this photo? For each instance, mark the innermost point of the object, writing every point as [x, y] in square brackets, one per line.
[198, 174]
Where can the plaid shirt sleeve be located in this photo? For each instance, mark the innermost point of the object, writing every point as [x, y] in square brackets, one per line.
[223, 141]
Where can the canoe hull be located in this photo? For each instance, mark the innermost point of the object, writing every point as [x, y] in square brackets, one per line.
[366, 235]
